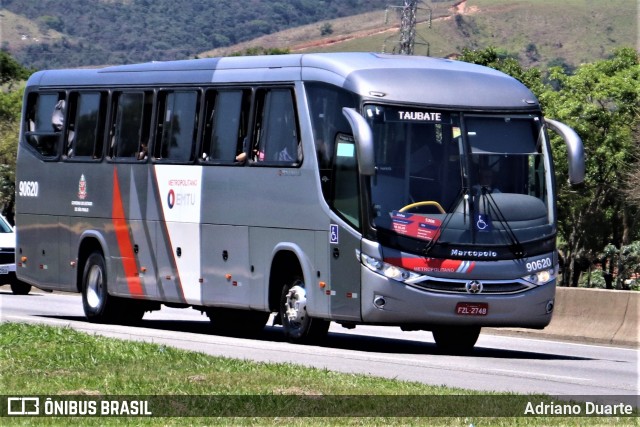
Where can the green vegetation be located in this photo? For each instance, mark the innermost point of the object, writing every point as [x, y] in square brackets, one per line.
[11, 73]
[99, 32]
[48, 361]
[599, 224]
[540, 33]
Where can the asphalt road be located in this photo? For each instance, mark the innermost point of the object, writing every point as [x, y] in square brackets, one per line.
[498, 363]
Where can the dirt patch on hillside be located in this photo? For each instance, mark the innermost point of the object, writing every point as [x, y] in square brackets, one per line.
[345, 29]
[462, 9]
[341, 39]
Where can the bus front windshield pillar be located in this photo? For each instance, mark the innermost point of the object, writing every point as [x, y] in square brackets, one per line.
[364, 141]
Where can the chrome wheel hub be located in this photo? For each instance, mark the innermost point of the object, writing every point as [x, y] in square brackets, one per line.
[94, 287]
[296, 304]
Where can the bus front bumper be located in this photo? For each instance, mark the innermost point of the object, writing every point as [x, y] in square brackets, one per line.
[389, 302]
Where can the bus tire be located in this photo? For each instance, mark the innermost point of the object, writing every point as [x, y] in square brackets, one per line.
[98, 305]
[456, 340]
[298, 326]
[18, 287]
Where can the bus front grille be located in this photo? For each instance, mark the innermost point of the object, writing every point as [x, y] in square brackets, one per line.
[488, 287]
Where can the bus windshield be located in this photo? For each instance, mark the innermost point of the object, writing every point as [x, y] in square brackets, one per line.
[459, 178]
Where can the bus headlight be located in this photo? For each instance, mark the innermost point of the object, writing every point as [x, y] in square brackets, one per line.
[541, 277]
[385, 269]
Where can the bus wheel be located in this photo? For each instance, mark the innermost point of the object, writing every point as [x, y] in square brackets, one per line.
[98, 305]
[229, 321]
[456, 339]
[298, 325]
[19, 287]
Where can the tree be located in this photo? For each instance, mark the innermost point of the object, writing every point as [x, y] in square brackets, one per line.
[601, 102]
[10, 108]
[11, 70]
[326, 29]
[633, 180]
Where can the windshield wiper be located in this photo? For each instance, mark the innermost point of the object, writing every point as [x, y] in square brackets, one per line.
[515, 246]
[445, 222]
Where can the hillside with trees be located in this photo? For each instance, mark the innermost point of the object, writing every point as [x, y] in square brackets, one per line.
[539, 33]
[54, 34]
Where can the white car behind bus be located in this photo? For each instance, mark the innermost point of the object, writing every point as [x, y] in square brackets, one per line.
[7, 259]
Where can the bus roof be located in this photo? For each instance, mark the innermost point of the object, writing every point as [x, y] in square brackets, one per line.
[392, 78]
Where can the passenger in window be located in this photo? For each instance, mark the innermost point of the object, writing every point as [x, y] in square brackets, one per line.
[241, 155]
[57, 118]
[287, 147]
[284, 155]
[142, 154]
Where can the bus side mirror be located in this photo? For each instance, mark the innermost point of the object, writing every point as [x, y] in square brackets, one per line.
[364, 141]
[575, 150]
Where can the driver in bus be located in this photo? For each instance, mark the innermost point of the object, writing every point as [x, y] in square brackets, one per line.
[486, 184]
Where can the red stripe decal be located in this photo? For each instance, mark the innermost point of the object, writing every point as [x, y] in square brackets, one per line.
[124, 241]
[426, 265]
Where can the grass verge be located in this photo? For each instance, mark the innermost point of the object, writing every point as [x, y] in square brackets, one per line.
[67, 365]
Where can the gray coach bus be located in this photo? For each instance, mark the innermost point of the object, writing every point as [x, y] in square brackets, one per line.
[356, 188]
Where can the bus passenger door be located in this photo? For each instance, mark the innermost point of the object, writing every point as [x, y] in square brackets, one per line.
[344, 289]
[344, 237]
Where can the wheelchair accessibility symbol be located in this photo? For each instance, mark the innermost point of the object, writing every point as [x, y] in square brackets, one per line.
[333, 239]
[483, 222]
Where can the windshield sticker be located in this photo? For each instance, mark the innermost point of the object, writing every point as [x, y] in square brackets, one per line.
[414, 225]
[483, 223]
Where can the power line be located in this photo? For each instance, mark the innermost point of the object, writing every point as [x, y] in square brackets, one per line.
[405, 44]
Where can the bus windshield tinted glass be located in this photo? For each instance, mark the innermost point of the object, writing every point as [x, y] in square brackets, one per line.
[455, 178]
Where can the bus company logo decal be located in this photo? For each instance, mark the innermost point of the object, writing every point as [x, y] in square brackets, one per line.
[474, 287]
[171, 199]
[183, 193]
[82, 205]
[433, 265]
[82, 188]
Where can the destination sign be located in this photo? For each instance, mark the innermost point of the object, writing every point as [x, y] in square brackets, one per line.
[419, 116]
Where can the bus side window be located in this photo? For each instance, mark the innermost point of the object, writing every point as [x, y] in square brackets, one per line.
[177, 125]
[129, 134]
[276, 135]
[226, 126]
[44, 122]
[86, 125]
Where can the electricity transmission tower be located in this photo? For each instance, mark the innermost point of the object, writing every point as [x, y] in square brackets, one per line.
[407, 37]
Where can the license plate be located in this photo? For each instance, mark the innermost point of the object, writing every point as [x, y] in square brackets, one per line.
[472, 308]
[4, 270]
